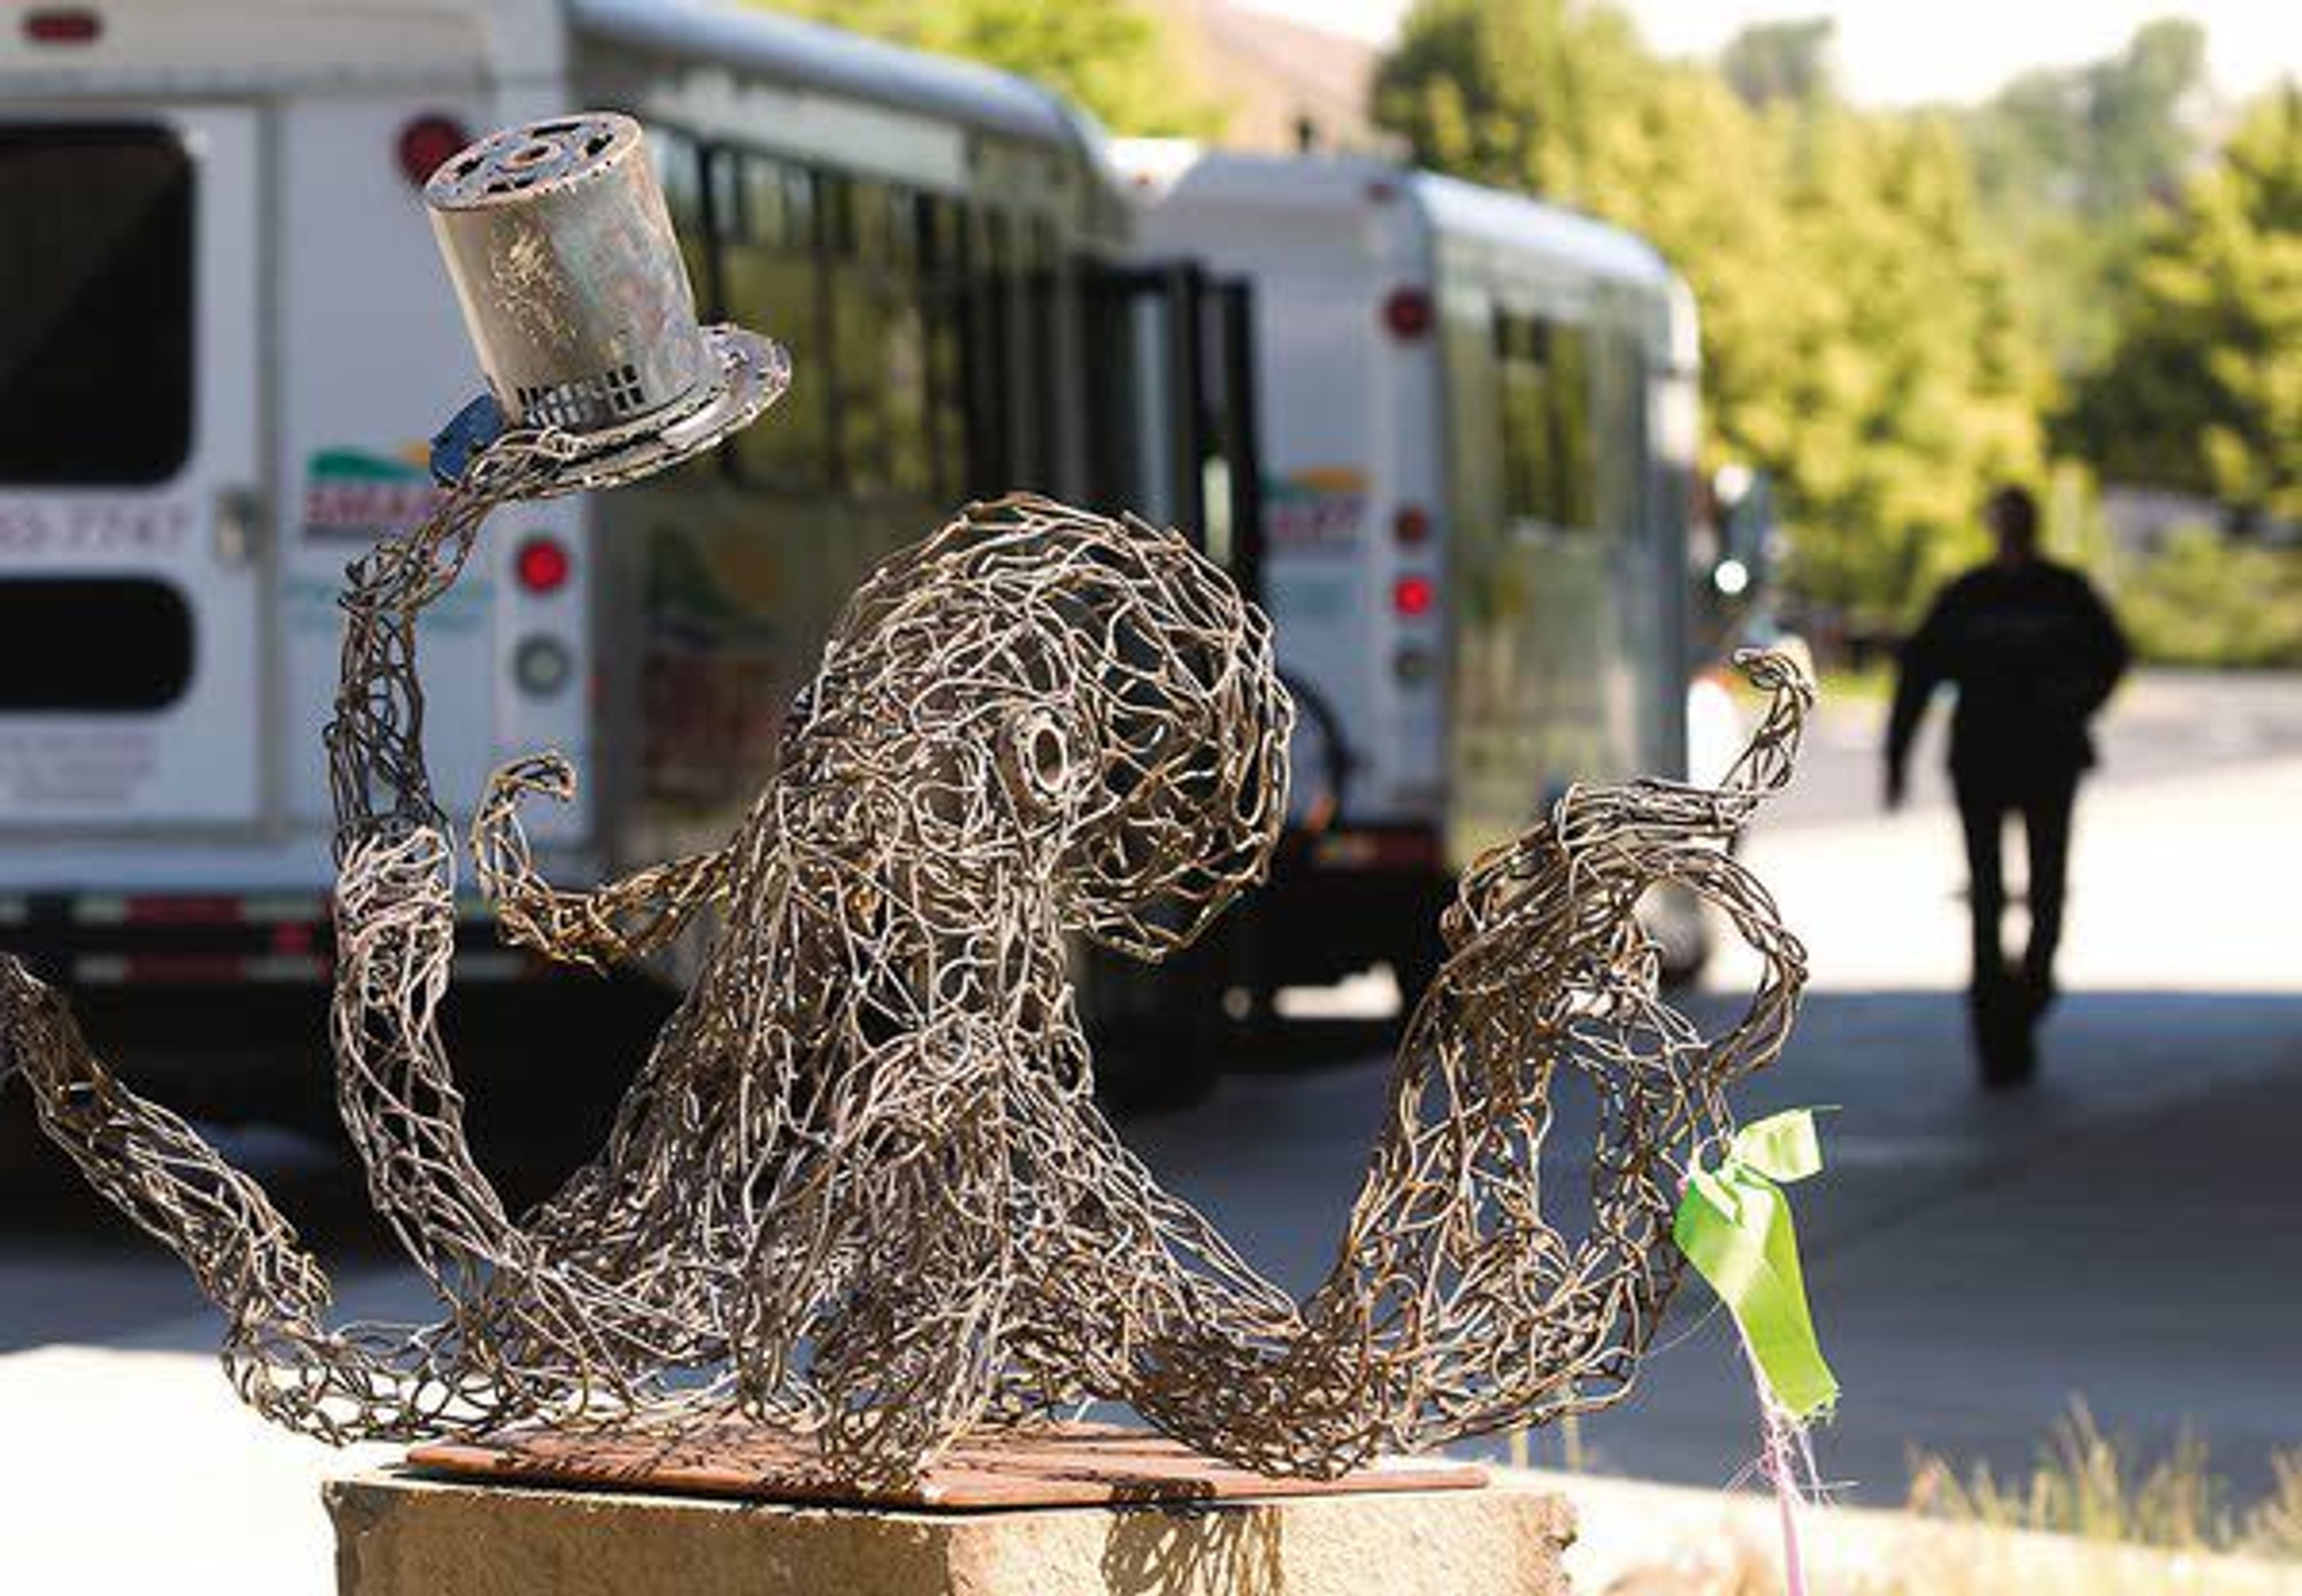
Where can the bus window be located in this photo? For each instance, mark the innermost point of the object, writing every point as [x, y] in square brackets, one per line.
[1543, 371]
[880, 339]
[1619, 427]
[903, 347]
[96, 349]
[942, 289]
[765, 219]
[1042, 306]
[679, 169]
[1010, 343]
[857, 428]
[93, 645]
[988, 357]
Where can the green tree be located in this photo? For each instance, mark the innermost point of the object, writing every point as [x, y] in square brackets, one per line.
[1108, 55]
[2202, 390]
[1523, 93]
[1780, 63]
[2101, 139]
[2201, 599]
[1859, 341]
[2068, 162]
[2141, 108]
[1915, 387]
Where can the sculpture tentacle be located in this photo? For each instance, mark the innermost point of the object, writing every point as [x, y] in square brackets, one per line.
[621, 922]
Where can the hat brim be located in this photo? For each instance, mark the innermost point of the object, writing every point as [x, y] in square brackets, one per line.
[754, 373]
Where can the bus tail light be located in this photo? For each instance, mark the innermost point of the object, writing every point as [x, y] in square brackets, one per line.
[543, 565]
[1411, 526]
[1408, 313]
[1411, 667]
[541, 666]
[425, 142]
[1413, 596]
[63, 25]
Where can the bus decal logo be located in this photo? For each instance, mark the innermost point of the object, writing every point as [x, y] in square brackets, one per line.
[357, 495]
[1318, 509]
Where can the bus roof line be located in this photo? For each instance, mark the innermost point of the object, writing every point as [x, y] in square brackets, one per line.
[1445, 205]
[814, 55]
[1599, 248]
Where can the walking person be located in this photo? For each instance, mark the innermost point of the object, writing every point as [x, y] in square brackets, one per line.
[2033, 652]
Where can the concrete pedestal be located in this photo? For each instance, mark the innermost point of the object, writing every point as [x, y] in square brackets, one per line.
[400, 1534]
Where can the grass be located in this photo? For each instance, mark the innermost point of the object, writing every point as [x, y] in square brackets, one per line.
[2087, 1484]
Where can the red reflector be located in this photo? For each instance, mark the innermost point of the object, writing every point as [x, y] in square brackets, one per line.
[1411, 595]
[186, 970]
[543, 565]
[62, 25]
[173, 910]
[1399, 850]
[1408, 313]
[1411, 526]
[426, 142]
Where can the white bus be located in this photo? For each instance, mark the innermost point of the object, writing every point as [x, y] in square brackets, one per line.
[1477, 426]
[224, 336]
[1442, 434]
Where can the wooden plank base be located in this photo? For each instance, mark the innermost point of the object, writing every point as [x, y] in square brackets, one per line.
[1071, 1464]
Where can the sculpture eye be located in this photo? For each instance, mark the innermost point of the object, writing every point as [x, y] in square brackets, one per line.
[1035, 762]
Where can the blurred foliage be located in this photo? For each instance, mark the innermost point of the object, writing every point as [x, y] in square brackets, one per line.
[2068, 163]
[2203, 387]
[2203, 600]
[2090, 1484]
[1108, 55]
[1900, 309]
[1779, 63]
[1861, 341]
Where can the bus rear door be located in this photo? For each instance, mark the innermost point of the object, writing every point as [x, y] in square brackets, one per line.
[1171, 437]
[132, 541]
[1171, 432]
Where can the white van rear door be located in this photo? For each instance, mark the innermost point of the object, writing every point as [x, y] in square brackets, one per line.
[132, 526]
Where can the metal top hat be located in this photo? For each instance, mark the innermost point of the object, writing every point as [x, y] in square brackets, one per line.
[577, 301]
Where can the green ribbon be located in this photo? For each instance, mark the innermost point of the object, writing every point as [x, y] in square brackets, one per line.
[1734, 1224]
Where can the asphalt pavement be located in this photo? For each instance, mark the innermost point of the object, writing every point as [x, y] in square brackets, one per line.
[2126, 1232]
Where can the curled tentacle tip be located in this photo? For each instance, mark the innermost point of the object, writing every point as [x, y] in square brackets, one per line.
[547, 771]
[1776, 669]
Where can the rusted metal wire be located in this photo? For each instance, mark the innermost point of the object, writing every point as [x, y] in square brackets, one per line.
[861, 1188]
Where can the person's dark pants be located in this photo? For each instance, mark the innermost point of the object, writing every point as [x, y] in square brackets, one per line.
[2043, 798]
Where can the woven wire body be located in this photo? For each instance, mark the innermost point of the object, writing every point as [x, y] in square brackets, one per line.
[860, 1187]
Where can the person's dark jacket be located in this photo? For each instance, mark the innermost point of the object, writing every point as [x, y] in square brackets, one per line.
[2033, 652]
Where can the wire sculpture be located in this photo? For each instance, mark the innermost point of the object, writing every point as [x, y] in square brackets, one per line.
[860, 1187]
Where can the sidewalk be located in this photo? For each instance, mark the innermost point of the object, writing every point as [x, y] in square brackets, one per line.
[2124, 1232]
[2125, 1235]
